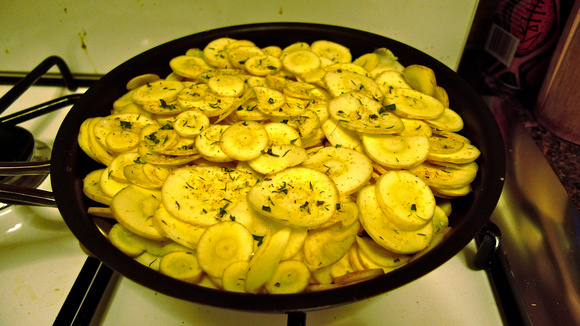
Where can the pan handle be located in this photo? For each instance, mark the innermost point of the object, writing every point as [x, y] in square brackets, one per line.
[19, 195]
[16, 195]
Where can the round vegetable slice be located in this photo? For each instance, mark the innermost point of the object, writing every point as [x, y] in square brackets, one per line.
[92, 187]
[181, 265]
[291, 276]
[201, 195]
[446, 177]
[263, 65]
[244, 140]
[405, 199]
[239, 55]
[298, 196]
[391, 79]
[301, 61]
[266, 259]
[331, 50]
[380, 255]
[269, 99]
[208, 144]
[282, 134]
[222, 244]
[448, 121]
[175, 229]
[277, 158]
[342, 82]
[189, 66]
[325, 246]
[358, 112]
[421, 78]
[133, 207]
[339, 136]
[465, 154]
[384, 232]
[160, 90]
[413, 104]
[215, 52]
[228, 85]
[350, 170]
[234, 278]
[395, 151]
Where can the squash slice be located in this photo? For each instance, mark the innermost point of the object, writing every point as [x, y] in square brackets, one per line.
[421, 78]
[326, 246]
[405, 200]
[340, 136]
[228, 85]
[207, 144]
[350, 170]
[234, 277]
[276, 158]
[384, 232]
[265, 261]
[301, 62]
[282, 134]
[465, 154]
[202, 195]
[380, 255]
[215, 52]
[439, 176]
[189, 66]
[395, 151]
[263, 65]
[223, 244]
[413, 104]
[358, 112]
[298, 196]
[240, 54]
[338, 83]
[391, 79]
[109, 185]
[181, 265]
[157, 91]
[92, 188]
[448, 121]
[337, 53]
[175, 229]
[244, 140]
[134, 207]
[291, 276]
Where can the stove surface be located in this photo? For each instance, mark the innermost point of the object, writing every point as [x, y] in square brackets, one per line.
[41, 259]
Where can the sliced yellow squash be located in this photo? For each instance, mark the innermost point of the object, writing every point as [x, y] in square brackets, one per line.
[395, 151]
[298, 196]
[134, 207]
[405, 199]
[358, 112]
[410, 103]
[202, 195]
[223, 244]
[350, 170]
[244, 140]
[384, 232]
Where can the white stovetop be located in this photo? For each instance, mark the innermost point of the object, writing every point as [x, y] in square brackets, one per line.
[40, 259]
[96, 36]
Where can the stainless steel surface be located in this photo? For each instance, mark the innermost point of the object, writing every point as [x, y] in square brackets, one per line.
[539, 223]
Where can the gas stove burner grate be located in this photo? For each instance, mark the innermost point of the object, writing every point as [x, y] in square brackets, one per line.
[19, 146]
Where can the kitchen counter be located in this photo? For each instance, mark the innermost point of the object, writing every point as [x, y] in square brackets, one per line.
[563, 156]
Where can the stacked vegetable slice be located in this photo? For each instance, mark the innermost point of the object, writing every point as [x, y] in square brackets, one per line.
[279, 170]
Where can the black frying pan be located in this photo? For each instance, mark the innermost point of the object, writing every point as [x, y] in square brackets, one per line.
[70, 165]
